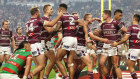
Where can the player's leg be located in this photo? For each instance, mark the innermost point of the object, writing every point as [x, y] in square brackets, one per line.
[7, 53]
[40, 64]
[1, 59]
[86, 59]
[138, 61]
[131, 65]
[94, 60]
[51, 56]
[71, 64]
[115, 60]
[102, 65]
[109, 66]
[59, 56]
[99, 67]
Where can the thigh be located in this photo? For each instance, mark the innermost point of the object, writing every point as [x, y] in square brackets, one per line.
[1, 58]
[7, 56]
[60, 54]
[40, 59]
[50, 54]
[138, 61]
[115, 59]
[86, 59]
[103, 59]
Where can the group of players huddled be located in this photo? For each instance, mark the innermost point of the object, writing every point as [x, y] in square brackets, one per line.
[68, 38]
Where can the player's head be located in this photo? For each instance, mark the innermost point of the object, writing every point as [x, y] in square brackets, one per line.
[19, 30]
[5, 24]
[48, 9]
[24, 45]
[118, 14]
[62, 7]
[136, 18]
[88, 17]
[35, 12]
[106, 14]
[95, 31]
[75, 14]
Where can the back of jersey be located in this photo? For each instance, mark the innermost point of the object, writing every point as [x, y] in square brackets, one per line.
[69, 23]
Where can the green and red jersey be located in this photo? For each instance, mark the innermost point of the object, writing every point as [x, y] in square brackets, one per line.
[16, 62]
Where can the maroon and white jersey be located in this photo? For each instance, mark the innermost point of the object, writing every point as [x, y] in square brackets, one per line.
[33, 29]
[44, 33]
[19, 38]
[81, 36]
[69, 23]
[120, 33]
[5, 37]
[134, 39]
[110, 30]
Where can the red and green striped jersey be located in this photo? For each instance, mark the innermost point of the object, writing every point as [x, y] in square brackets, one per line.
[16, 62]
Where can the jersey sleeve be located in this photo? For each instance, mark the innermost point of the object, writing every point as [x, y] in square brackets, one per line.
[129, 30]
[120, 25]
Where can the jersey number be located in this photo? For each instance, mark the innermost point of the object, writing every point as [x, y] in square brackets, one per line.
[15, 57]
[71, 21]
[30, 28]
[138, 35]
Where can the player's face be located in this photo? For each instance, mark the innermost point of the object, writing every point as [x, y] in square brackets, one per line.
[118, 16]
[19, 31]
[76, 15]
[90, 19]
[27, 46]
[38, 14]
[105, 16]
[95, 32]
[6, 25]
[50, 10]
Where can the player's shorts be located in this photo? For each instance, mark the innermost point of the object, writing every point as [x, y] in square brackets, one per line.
[36, 49]
[108, 50]
[119, 49]
[50, 45]
[44, 45]
[69, 43]
[5, 50]
[90, 51]
[134, 54]
[8, 76]
[81, 51]
[99, 51]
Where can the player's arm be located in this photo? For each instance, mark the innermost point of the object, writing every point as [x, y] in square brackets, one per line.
[28, 67]
[124, 30]
[54, 21]
[81, 23]
[60, 36]
[13, 42]
[94, 37]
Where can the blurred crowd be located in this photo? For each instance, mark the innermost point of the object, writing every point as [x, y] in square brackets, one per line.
[18, 14]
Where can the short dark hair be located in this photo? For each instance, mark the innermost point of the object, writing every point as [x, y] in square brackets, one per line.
[107, 12]
[17, 28]
[86, 15]
[74, 13]
[118, 10]
[137, 17]
[45, 7]
[63, 5]
[21, 45]
[4, 22]
[34, 10]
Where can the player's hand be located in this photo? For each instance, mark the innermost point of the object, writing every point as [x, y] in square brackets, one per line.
[107, 41]
[98, 19]
[114, 44]
[60, 13]
[88, 40]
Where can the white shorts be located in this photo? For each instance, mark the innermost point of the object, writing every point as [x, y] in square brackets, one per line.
[109, 50]
[81, 51]
[99, 51]
[119, 49]
[36, 49]
[43, 45]
[8, 76]
[5, 50]
[134, 54]
[90, 51]
[69, 43]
